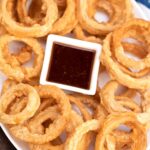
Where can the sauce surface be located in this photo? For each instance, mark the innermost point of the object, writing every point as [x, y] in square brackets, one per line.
[71, 65]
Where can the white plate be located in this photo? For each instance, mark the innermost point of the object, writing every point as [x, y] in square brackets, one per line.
[19, 145]
[145, 10]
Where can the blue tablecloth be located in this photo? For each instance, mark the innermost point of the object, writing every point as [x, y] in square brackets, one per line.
[145, 2]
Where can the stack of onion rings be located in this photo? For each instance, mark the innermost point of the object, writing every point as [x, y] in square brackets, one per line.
[22, 132]
[44, 22]
[117, 70]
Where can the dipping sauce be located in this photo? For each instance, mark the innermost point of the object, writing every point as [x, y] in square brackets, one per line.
[71, 65]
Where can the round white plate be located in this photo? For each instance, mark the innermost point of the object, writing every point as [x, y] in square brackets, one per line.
[140, 12]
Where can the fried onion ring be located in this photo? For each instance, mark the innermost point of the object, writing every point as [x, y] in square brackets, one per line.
[36, 30]
[62, 26]
[138, 134]
[136, 26]
[15, 70]
[73, 123]
[75, 138]
[114, 103]
[9, 96]
[115, 71]
[93, 27]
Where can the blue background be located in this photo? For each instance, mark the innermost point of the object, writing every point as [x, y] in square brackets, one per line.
[145, 2]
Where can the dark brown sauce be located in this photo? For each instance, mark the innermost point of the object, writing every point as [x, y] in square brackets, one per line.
[71, 65]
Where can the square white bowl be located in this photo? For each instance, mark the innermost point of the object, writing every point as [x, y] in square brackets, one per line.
[81, 45]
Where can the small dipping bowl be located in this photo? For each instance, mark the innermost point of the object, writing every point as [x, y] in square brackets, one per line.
[71, 64]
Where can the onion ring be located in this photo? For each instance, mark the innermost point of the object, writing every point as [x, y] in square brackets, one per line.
[116, 72]
[113, 121]
[96, 28]
[37, 30]
[35, 11]
[62, 26]
[18, 72]
[89, 106]
[73, 123]
[80, 131]
[66, 20]
[114, 103]
[137, 26]
[139, 74]
[10, 95]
